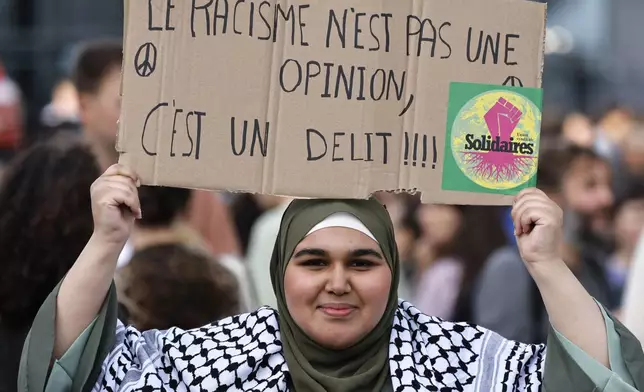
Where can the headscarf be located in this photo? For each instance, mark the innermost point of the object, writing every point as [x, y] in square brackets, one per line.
[365, 365]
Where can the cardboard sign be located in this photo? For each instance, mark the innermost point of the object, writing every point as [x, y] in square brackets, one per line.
[331, 98]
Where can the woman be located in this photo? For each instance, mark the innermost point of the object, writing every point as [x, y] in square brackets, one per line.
[45, 221]
[457, 241]
[339, 325]
[440, 270]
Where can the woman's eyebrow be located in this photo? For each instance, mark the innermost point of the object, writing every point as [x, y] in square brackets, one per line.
[366, 252]
[311, 252]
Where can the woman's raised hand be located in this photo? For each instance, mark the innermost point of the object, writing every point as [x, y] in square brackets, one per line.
[115, 204]
[538, 225]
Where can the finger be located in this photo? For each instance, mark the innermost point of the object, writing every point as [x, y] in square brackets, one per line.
[528, 218]
[520, 199]
[524, 226]
[535, 214]
[528, 201]
[126, 182]
[528, 191]
[111, 186]
[122, 197]
[122, 170]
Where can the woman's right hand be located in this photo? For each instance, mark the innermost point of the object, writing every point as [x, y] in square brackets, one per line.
[115, 204]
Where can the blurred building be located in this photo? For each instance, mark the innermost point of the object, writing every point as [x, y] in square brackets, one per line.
[37, 39]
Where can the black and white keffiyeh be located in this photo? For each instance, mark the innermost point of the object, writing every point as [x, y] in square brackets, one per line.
[244, 353]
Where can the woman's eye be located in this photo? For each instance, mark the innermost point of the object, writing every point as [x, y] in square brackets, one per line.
[362, 263]
[313, 263]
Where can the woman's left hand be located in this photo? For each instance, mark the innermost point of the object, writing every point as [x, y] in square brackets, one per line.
[538, 223]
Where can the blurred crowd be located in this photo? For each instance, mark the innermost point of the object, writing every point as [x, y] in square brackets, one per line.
[199, 256]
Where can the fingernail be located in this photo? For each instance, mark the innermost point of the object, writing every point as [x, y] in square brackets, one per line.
[138, 183]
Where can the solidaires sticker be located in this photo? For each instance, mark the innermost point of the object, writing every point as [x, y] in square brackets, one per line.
[492, 138]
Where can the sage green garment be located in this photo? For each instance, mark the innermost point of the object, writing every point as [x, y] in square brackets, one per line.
[361, 367]
[567, 368]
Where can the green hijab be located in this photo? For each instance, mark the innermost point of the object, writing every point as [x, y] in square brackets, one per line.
[365, 365]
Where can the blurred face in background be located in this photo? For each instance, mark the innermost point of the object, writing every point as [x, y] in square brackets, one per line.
[629, 223]
[439, 224]
[617, 125]
[65, 99]
[405, 241]
[587, 186]
[633, 153]
[587, 190]
[100, 110]
[578, 129]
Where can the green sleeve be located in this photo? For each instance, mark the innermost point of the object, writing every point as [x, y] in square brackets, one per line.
[599, 374]
[569, 368]
[64, 369]
[80, 367]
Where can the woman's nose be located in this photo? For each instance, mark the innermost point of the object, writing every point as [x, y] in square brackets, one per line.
[338, 280]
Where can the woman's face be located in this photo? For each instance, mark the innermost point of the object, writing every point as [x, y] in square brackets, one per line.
[439, 222]
[628, 225]
[337, 285]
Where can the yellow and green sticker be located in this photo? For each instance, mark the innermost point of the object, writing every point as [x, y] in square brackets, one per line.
[492, 141]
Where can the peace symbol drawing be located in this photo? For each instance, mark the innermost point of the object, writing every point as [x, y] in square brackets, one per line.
[145, 61]
[513, 81]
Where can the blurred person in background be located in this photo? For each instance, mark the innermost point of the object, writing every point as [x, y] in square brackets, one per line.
[261, 242]
[401, 208]
[11, 121]
[45, 220]
[609, 135]
[577, 129]
[439, 271]
[408, 233]
[97, 78]
[246, 209]
[505, 298]
[173, 271]
[633, 159]
[629, 222]
[170, 284]
[63, 110]
[613, 128]
[586, 186]
[455, 242]
[613, 136]
[632, 311]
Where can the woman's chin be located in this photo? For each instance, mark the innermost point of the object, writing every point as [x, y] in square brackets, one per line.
[336, 337]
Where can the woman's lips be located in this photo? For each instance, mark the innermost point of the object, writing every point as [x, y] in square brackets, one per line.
[337, 310]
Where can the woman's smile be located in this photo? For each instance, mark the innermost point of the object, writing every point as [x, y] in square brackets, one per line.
[337, 310]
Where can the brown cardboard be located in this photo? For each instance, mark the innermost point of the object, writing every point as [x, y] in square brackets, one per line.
[207, 78]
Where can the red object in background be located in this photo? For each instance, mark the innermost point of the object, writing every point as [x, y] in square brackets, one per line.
[10, 112]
